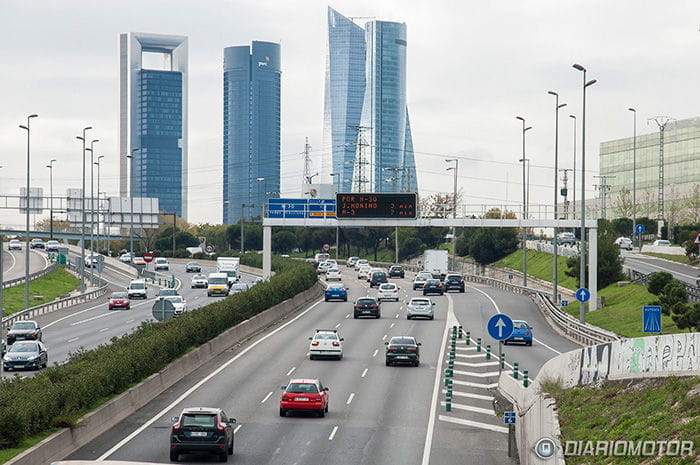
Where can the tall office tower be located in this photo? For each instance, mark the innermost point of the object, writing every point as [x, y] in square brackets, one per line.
[153, 118]
[251, 128]
[344, 92]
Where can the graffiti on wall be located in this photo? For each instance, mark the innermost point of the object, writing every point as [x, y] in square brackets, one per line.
[673, 352]
[595, 363]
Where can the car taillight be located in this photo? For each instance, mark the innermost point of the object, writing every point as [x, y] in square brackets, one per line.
[373, 305]
[410, 348]
[314, 343]
[391, 348]
[527, 333]
[439, 285]
[286, 397]
[220, 426]
[336, 344]
[176, 426]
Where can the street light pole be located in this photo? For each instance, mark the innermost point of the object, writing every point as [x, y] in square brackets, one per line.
[555, 263]
[50, 167]
[634, 181]
[82, 214]
[524, 240]
[454, 209]
[99, 164]
[26, 255]
[582, 248]
[573, 201]
[92, 211]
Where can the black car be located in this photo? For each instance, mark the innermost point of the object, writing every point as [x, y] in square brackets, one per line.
[25, 354]
[377, 278]
[193, 267]
[402, 349]
[454, 281]
[367, 306]
[433, 286]
[397, 271]
[201, 430]
[23, 330]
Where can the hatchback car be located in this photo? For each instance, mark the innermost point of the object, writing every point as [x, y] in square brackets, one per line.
[522, 332]
[162, 264]
[433, 286]
[304, 395]
[202, 429]
[14, 244]
[624, 243]
[420, 307]
[326, 343]
[396, 271]
[388, 291]
[367, 306]
[193, 267]
[198, 281]
[138, 261]
[454, 281]
[323, 267]
[661, 243]
[363, 272]
[351, 261]
[402, 349]
[125, 257]
[167, 292]
[36, 244]
[336, 291]
[178, 302]
[24, 330]
[421, 278]
[119, 300]
[238, 287]
[566, 238]
[26, 354]
[377, 278]
[333, 273]
[361, 261]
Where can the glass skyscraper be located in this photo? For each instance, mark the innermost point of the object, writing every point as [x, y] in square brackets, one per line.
[252, 77]
[153, 105]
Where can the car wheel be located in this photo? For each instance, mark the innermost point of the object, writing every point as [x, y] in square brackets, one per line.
[174, 456]
[223, 457]
[379, 315]
[408, 317]
[322, 413]
[340, 357]
[416, 363]
[345, 299]
[529, 343]
[461, 290]
[425, 293]
[230, 448]
[355, 316]
[312, 357]
[432, 317]
[387, 362]
[326, 300]
[283, 412]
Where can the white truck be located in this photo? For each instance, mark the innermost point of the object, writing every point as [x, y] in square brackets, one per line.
[230, 266]
[436, 262]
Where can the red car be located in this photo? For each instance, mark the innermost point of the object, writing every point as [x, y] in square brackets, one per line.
[304, 395]
[119, 300]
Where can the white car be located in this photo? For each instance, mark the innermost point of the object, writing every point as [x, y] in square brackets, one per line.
[364, 272]
[360, 262]
[624, 242]
[323, 267]
[326, 343]
[238, 287]
[351, 261]
[52, 246]
[420, 307]
[162, 264]
[199, 280]
[421, 278]
[15, 244]
[125, 257]
[388, 291]
[661, 243]
[178, 302]
[333, 273]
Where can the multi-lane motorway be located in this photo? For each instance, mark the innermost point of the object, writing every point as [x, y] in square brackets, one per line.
[647, 264]
[13, 262]
[377, 415]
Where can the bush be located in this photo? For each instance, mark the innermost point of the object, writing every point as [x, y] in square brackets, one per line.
[658, 281]
[686, 316]
[674, 293]
[61, 394]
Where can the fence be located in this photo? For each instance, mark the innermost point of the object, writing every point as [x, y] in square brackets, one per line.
[33, 276]
[641, 278]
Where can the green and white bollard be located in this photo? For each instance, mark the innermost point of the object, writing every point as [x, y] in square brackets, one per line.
[468, 341]
[478, 344]
[515, 370]
[526, 381]
[488, 351]
[459, 332]
[452, 355]
[503, 360]
[449, 373]
[448, 404]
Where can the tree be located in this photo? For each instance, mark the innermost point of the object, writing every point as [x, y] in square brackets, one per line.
[58, 225]
[411, 247]
[305, 239]
[608, 256]
[283, 242]
[658, 281]
[622, 204]
[674, 292]
[622, 226]
[686, 316]
[439, 205]
[488, 245]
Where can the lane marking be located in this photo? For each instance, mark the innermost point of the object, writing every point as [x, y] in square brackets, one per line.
[668, 270]
[477, 375]
[91, 319]
[364, 373]
[335, 430]
[202, 382]
[383, 337]
[14, 260]
[73, 340]
[352, 396]
[469, 408]
[103, 330]
[291, 371]
[475, 424]
[481, 355]
[347, 316]
[546, 346]
[338, 325]
[397, 315]
[237, 428]
[266, 397]
[470, 395]
[391, 325]
[376, 351]
[475, 385]
[130, 321]
[476, 365]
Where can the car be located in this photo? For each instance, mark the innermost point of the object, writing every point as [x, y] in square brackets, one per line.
[624, 243]
[336, 291]
[304, 395]
[661, 243]
[24, 330]
[238, 287]
[372, 270]
[199, 280]
[167, 291]
[119, 300]
[377, 278]
[363, 272]
[14, 244]
[193, 267]
[403, 349]
[454, 281]
[333, 273]
[420, 307]
[137, 288]
[217, 284]
[161, 264]
[566, 238]
[125, 257]
[25, 354]
[362, 261]
[312, 262]
[351, 261]
[37, 244]
[433, 286]
[388, 291]
[522, 332]
[420, 279]
[178, 302]
[396, 271]
[326, 343]
[138, 261]
[367, 306]
[323, 267]
[202, 429]
[52, 246]
[92, 261]
[258, 279]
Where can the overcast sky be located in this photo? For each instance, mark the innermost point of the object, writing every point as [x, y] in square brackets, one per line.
[472, 67]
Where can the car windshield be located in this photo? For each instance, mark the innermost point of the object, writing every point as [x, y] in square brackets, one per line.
[424, 275]
[336, 286]
[520, 325]
[138, 285]
[163, 292]
[302, 388]
[161, 260]
[23, 325]
[174, 298]
[420, 302]
[403, 340]
[24, 347]
[366, 301]
[240, 286]
[388, 287]
[119, 295]
[193, 419]
[218, 280]
[326, 336]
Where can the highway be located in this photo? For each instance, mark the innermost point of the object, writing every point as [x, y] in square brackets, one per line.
[647, 264]
[377, 415]
[13, 262]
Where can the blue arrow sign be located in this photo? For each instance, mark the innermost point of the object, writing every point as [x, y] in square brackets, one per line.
[510, 276]
[639, 228]
[583, 294]
[509, 418]
[564, 303]
[652, 319]
[500, 327]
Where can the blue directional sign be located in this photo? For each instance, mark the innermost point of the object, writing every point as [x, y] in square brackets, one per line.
[583, 294]
[639, 228]
[510, 276]
[500, 327]
[564, 303]
[509, 418]
[301, 208]
[652, 319]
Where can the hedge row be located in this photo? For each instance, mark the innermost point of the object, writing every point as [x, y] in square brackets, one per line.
[59, 395]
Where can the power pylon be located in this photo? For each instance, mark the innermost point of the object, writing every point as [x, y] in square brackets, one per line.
[359, 176]
[604, 187]
[661, 121]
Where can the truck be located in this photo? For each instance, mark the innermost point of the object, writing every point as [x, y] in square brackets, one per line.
[436, 262]
[230, 266]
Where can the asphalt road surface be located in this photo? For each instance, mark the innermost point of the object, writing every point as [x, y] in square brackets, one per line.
[13, 262]
[378, 414]
[647, 264]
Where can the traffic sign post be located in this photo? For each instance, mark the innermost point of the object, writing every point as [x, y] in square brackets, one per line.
[583, 294]
[500, 327]
[639, 229]
[509, 418]
[148, 257]
[564, 303]
[651, 319]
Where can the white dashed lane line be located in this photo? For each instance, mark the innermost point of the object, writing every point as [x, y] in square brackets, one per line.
[347, 316]
[266, 397]
[364, 373]
[104, 329]
[338, 325]
[291, 371]
[73, 340]
[392, 325]
[352, 396]
[376, 351]
[335, 430]
[237, 428]
[383, 337]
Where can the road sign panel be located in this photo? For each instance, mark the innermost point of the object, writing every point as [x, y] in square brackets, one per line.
[326, 247]
[500, 327]
[583, 294]
[148, 257]
[509, 418]
[400, 205]
[163, 310]
[697, 239]
[209, 248]
[651, 319]
[510, 276]
[564, 303]
[639, 229]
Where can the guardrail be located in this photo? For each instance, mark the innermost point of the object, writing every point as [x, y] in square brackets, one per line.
[33, 276]
[641, 278]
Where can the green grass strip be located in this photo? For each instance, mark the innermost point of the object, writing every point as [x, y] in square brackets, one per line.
[539, 265]
[674, 258]
[54, 284]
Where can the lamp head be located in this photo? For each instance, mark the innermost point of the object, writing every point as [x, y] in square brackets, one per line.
[551, 92]
[591, 82]
[632, 109]
[579, 67]
[572, 116]
[520, 118]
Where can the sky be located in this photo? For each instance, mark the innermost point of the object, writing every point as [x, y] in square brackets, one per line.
[473, 66]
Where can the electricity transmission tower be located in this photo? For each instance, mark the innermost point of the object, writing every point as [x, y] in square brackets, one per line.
[360, 181]
[603, 187]
[564, 191]
[661, 121]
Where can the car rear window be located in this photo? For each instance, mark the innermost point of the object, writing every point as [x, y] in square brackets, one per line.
[403, 341]
[199, 419]
[302, 388]
[326, 336]
[366, 301]
[420, 302]
[388, 287]
[378, 275]
[23, 325]
[119, 295]
[520, 325]
[335, 286]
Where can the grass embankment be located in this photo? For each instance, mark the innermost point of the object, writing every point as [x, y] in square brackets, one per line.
[651, 410]
[56, 283]
[674, 258]
[623, 308]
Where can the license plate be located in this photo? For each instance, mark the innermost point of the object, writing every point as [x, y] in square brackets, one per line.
[301, 398]
[402, 357]
[366, 311]
[518, 338]
[198, 434]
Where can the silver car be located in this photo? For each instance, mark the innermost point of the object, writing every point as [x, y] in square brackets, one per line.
[420, 307]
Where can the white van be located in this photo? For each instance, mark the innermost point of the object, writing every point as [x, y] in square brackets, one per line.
[217, 283]
[137, 288]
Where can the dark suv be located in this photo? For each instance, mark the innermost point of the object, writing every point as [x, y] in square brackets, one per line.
[202, 429]
[396, 271]
[378, 277]
[454, 281]
[367, 306]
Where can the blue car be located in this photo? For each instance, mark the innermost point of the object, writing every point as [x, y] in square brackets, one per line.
[337, 291]
[522, 332]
